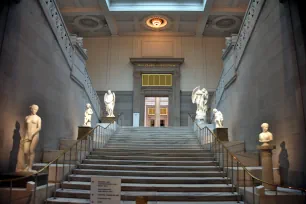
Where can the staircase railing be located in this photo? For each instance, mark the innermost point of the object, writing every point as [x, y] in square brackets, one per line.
[67, 159]
[227, 160]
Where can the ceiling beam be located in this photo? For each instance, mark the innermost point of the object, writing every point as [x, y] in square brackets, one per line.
[235, 3]
[154, 33]
[78, 3]
[80, 11]
[136, 24]
[204, 18]
[177, 20]
[238, 11]
[110, 19]
[112, 24]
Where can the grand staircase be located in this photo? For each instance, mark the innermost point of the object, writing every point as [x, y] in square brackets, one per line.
[166, 165]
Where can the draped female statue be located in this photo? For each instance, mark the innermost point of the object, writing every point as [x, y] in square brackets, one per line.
[88, 113]
[109, 100]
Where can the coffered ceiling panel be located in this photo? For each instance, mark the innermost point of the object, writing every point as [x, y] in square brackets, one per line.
[96, 18]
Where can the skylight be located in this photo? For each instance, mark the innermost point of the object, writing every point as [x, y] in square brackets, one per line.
[156, 5]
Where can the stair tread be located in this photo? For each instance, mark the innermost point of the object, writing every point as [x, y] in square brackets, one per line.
[156, 178]
[155, 185]
[151, 161]
[134, 171]
[147, 166]
[87, 201]
[153, 193]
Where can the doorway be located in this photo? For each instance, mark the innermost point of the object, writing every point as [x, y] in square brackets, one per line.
[156, 112]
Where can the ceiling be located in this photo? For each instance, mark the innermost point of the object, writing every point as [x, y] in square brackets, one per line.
[92, 18]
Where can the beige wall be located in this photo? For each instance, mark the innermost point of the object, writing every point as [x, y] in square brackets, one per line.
[109, 68]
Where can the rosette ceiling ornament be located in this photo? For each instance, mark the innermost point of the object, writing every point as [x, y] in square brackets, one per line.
[156, 22]
[88, 23]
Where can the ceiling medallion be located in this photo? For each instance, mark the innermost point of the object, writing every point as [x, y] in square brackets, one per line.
[156, 22]
[226, 23]
[88, 23]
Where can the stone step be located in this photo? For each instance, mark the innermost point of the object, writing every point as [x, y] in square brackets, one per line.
[152, 150]
[155, 163]
[159, 180]
[154, 196]
[149, 173]
[143, 142]
[149, 168]
[195, 154]
[150, 158]
[156, 187]
[156, 148]
[156, 145]
[87, 201]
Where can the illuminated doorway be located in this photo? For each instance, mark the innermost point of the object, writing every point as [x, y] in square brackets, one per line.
[156, 112]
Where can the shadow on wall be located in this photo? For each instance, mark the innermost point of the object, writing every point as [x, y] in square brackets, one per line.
[283, 165]
[15, 148]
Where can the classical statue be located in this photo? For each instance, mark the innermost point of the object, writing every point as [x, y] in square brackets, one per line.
[29, 141]
[218, 118]
[265, 136]
[109, 100]
[88, 113]
[200, 97]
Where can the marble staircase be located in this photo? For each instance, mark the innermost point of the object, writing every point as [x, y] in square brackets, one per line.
[166, 165]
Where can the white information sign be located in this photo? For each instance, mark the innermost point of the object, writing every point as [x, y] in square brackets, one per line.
[105, 190]
[135, 119]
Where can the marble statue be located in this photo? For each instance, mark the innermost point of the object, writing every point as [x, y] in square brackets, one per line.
[265, 137]
[109, 100]
[29, 141]
[88, 113]
[218, 118]
[200, 97]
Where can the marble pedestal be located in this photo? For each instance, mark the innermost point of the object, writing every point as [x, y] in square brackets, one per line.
[221, 133]
[83, 130]
[108, 119]
[267, 167]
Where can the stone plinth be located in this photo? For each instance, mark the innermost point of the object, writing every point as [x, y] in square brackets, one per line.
[108, 119]
[83, 130]
[221, 133]
[267, 167]
[141, 200]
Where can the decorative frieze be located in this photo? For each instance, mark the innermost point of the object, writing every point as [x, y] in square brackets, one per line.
[232, 57]
[247, 28]
[72, 48]
[58, 26]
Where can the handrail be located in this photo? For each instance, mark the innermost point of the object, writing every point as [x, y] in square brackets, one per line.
[242, 165]
[97, 139]
[61, 154]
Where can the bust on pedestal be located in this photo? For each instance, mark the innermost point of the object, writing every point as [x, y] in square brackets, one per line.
[266, 156]
[220, 131]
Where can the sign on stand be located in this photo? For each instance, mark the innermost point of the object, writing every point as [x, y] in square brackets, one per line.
[105, 190]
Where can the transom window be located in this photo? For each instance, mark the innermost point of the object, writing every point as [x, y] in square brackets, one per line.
[156, 79]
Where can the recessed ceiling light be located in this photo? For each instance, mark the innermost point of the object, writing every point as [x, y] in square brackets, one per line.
[156, 22]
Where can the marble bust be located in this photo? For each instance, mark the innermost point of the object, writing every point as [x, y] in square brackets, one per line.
[29, 141]
[265, 137]
[218, 118]
[200, 97]
[88, 113]
[109, 100]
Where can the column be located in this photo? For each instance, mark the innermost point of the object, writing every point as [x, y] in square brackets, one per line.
[267, 167]
[157, 112]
